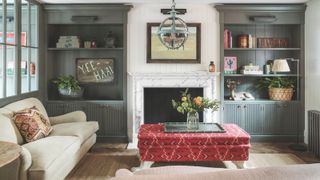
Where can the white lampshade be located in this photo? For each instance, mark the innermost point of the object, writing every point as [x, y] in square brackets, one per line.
[280, 65]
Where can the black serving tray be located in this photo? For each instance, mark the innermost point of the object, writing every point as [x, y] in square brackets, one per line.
[181, 127]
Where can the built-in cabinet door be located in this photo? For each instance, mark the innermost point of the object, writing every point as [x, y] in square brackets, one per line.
[233, 113]
[288, 114]
[270, 123]
[113, 120]
[253, 118]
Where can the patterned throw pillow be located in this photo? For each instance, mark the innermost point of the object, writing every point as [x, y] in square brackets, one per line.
[32, 124]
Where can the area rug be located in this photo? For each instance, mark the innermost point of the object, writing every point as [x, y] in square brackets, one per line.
[101, 164]
[268, 159]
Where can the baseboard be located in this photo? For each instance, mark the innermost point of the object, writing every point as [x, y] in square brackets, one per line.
[112, 139]
[275, 138]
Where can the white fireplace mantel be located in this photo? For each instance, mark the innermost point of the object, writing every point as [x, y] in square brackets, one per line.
[141, 80]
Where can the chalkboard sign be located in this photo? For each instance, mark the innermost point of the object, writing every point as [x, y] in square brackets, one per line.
[95, 70]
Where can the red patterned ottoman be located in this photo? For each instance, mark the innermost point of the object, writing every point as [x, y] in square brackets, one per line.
[157, 146]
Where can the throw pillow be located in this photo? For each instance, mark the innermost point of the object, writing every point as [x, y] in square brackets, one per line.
[32, 124]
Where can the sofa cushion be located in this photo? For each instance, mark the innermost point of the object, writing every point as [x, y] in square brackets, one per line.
[9, 131]
[32, 124]
[27, 103]
[47, 151]
[83, 130]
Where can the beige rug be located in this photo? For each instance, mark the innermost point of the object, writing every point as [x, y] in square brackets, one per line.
[102, 165]
[268, 159]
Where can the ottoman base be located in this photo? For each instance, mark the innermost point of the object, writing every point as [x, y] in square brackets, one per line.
[148, 164]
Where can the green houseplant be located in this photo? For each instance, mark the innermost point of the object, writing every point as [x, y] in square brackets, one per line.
[279, 88]
[68, 87]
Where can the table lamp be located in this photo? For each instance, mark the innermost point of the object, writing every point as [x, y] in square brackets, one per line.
[280, 65]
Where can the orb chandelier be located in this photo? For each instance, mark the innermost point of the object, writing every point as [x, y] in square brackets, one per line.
[173, 31]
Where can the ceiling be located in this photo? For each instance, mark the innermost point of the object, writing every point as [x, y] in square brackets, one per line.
[169, 1]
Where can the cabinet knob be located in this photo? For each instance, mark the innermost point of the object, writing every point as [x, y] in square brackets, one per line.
[238, 106]
[244, 106]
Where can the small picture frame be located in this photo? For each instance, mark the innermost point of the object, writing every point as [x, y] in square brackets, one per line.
[94, 70]
[230, 65]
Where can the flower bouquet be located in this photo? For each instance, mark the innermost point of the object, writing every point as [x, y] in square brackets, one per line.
[192, 106]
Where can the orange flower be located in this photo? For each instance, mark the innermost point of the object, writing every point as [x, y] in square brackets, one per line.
[198, 101]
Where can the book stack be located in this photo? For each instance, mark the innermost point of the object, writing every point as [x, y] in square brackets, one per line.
[68, 42]
[227, 38]
[251, 69]
[272, 42]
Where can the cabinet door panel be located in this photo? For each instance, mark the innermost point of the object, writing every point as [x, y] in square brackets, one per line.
[114, 120]
[270, 123]
[233, 114]
[253, 118]
[55, 109]
[288, 116]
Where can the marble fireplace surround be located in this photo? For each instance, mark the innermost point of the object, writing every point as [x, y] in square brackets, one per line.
[141, 80]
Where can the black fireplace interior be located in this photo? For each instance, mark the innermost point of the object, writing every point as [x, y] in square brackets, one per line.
[158, 107]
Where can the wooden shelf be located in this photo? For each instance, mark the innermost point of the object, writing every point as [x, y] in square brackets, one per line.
[85, 49]
[262, 49]
[260, 75]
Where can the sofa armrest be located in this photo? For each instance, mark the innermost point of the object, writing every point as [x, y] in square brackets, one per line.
[76, 116]
[25, 163]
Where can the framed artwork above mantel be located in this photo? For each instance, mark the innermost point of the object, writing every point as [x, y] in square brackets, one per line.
[189, 53]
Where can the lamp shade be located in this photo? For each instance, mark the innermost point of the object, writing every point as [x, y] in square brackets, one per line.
[280, 65]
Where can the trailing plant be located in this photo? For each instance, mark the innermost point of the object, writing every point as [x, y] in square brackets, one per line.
[276, 82]
[67, 82]
[197, 104]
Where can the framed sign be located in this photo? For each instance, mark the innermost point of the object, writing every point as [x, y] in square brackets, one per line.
[95, 70]
[230, 64]
[190, 52]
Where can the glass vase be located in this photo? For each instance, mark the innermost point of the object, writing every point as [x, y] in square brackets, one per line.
[193, 120]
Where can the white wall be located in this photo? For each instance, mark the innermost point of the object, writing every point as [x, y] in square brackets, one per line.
[138, 18]
[141, 14]
[312, 51]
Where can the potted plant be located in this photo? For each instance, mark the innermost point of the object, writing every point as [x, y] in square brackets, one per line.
[68, 87]
[192, 106]
[279, 88]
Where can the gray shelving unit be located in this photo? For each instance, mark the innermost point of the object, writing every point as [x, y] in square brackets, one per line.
[103, 102]
[264, 119]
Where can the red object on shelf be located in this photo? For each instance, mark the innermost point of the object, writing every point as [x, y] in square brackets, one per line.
[155, 145]
[226, 38]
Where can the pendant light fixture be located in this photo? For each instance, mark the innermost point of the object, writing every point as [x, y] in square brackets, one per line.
[173, 31]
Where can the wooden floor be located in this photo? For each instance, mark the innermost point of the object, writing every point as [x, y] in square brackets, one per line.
[104, 160]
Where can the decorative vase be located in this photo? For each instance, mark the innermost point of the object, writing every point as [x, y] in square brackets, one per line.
[193, 120]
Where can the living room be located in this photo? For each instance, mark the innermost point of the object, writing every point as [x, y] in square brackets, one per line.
[168, 89]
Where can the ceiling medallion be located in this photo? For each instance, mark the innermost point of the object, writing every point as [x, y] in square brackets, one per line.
[173, 31]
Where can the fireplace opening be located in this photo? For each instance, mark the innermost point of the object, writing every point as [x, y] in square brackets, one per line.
[158, 107]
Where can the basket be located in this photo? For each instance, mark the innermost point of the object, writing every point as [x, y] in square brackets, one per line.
[281, 94]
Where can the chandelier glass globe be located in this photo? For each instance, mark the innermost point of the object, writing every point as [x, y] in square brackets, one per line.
[173, 31]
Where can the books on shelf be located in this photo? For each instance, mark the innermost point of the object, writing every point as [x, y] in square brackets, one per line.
[68, 42]
[272, 42]
[227, 39]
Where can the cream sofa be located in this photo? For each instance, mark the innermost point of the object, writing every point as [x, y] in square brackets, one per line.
[52, 157]
[289, 172]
